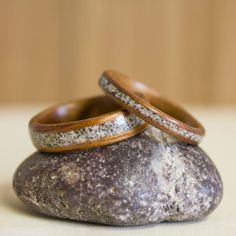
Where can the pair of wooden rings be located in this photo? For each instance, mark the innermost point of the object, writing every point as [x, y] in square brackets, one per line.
[100, 120]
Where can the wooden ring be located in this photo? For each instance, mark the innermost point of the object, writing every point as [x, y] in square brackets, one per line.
[83, 124]
[150, 106]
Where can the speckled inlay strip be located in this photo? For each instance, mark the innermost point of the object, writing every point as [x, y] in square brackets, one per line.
[112, 89]
[119, 125]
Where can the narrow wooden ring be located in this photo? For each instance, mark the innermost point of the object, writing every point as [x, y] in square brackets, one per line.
[81, 124]
[150, 106]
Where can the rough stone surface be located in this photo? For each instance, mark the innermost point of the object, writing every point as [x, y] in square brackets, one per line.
[145, 179]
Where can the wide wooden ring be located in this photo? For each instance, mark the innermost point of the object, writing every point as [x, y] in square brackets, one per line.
[150, 106]
[81, 124]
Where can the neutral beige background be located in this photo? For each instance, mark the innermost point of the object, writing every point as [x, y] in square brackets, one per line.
[56, 50]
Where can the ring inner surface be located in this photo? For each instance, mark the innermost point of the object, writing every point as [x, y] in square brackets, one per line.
[80, 110]
[173, 111]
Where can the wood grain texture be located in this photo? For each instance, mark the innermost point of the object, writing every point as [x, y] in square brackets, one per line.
[148, 105]
[56, 50]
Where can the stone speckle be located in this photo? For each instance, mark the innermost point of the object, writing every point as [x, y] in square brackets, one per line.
[145, 179]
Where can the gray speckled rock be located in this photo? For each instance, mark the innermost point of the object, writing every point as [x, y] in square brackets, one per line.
[146, 179]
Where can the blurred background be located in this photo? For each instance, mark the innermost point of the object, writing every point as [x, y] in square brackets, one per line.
[56, 50]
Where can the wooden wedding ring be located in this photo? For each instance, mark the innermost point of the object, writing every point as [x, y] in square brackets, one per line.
[83, 124]
[150, 106]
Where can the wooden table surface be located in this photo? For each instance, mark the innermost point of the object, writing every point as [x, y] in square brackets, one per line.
[15, 219]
